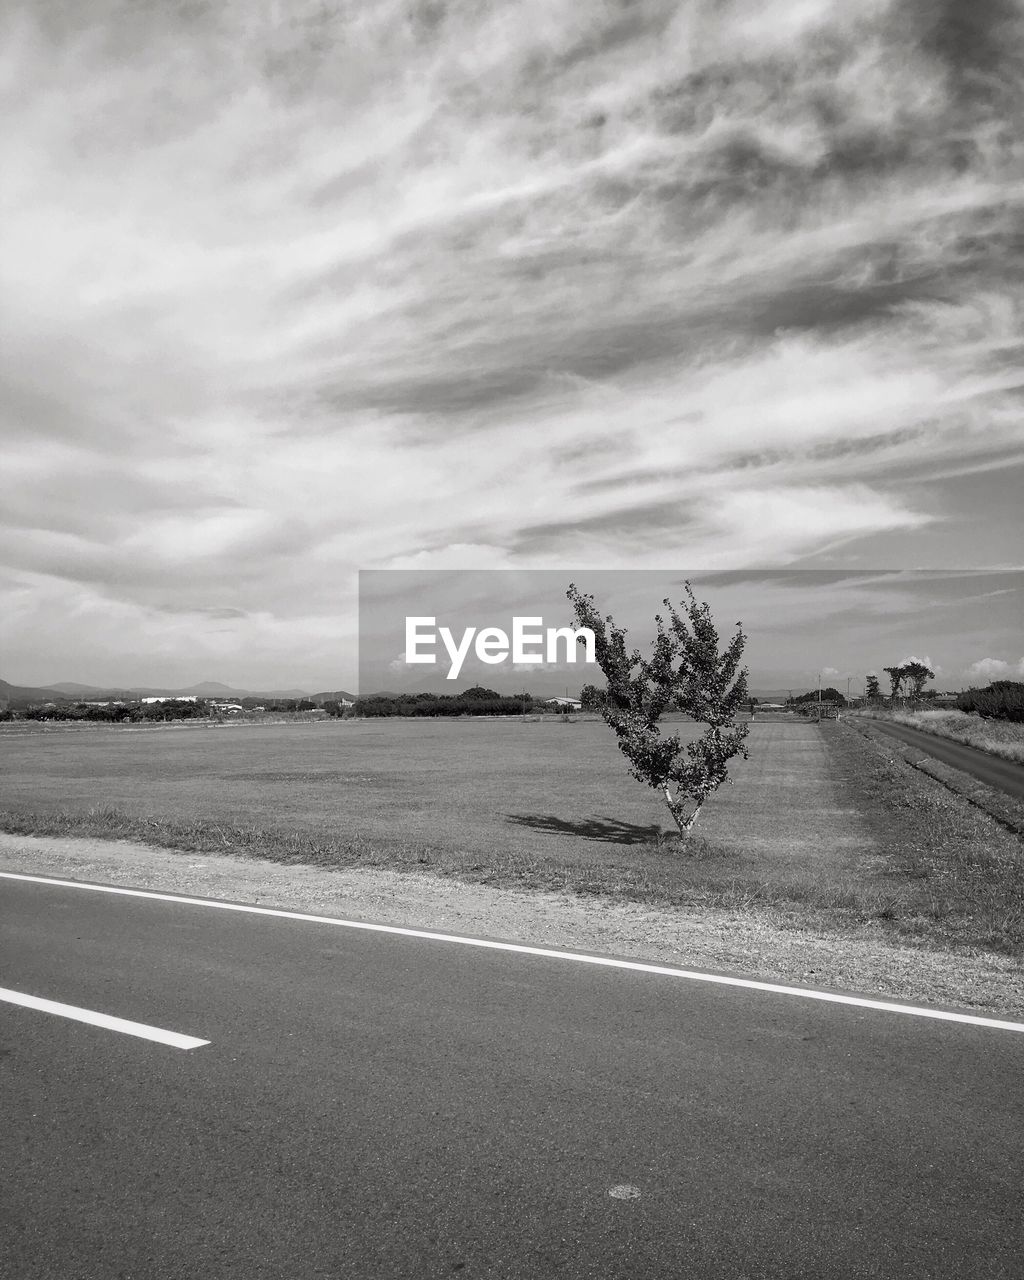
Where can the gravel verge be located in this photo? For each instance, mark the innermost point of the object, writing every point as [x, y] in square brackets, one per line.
[767, 944]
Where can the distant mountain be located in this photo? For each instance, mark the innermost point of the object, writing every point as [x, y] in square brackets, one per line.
[206, 689]
[70, 690]
[21, 695]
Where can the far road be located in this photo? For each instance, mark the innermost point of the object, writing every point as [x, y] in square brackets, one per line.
[1004, 775]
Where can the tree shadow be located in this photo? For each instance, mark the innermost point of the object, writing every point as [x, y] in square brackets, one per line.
[608, 830]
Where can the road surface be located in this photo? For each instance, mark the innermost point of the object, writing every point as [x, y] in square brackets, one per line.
[1004, 775]
[369, 1104]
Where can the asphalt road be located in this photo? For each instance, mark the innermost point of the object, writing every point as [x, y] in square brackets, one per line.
[1004, 775]
[372, 1105]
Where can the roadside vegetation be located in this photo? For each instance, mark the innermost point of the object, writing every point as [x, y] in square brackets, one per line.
[1003, 738]
[955, 875]
[824, 829]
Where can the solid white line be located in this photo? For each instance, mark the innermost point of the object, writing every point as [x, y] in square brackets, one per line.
[638, 966]
[127, 1028]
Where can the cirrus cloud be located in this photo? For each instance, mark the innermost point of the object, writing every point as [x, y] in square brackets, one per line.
[291, 290]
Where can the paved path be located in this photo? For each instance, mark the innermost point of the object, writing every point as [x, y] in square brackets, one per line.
[376, 1105]
[1004, 775]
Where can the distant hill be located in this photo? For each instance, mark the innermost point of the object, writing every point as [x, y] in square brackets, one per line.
[66, 689]
[72, 691]
[17, 695]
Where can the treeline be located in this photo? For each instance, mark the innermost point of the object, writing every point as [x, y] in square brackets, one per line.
[279, 704]
[1001, 700]
[828, 695]
[117, 713]
[473, 702]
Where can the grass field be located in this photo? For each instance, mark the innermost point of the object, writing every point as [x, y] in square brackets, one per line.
[820, 823]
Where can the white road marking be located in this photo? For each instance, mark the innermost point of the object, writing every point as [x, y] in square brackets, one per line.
[637, 966]
[140, 1029]
[626, 1191]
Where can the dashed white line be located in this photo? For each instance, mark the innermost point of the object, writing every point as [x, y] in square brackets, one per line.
[123, 1025]
[637, 966]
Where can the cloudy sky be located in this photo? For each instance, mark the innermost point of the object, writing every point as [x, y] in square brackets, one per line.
[295, 289]
[799, 623]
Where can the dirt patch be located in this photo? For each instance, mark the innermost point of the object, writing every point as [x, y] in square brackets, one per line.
[767, 945]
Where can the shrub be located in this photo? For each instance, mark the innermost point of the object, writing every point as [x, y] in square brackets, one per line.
[1001, 700]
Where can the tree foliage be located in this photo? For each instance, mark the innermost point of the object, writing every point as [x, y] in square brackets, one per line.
[814, 696]
[913, 673]
[872, 689]
[895, 675]
[120, 712]
[918, 675]
[477, 701]
[592, 698]
[1001, 700]
[686, 673]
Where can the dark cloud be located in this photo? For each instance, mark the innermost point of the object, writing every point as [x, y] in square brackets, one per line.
[981, 42]
[464, 393]
[793, 579]
[638, 523]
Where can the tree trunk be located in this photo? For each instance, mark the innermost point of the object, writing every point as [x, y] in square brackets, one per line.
[683, 823]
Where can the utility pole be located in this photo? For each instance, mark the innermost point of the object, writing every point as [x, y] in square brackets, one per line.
[819, 697]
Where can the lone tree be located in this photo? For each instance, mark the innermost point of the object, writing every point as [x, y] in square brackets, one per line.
[685, 672]
[918, 674]
[871, 689]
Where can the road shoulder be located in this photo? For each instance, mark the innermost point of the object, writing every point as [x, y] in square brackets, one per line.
[766, 946]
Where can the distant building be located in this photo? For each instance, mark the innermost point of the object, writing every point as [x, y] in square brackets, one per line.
[168, 698]
[570, 704]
